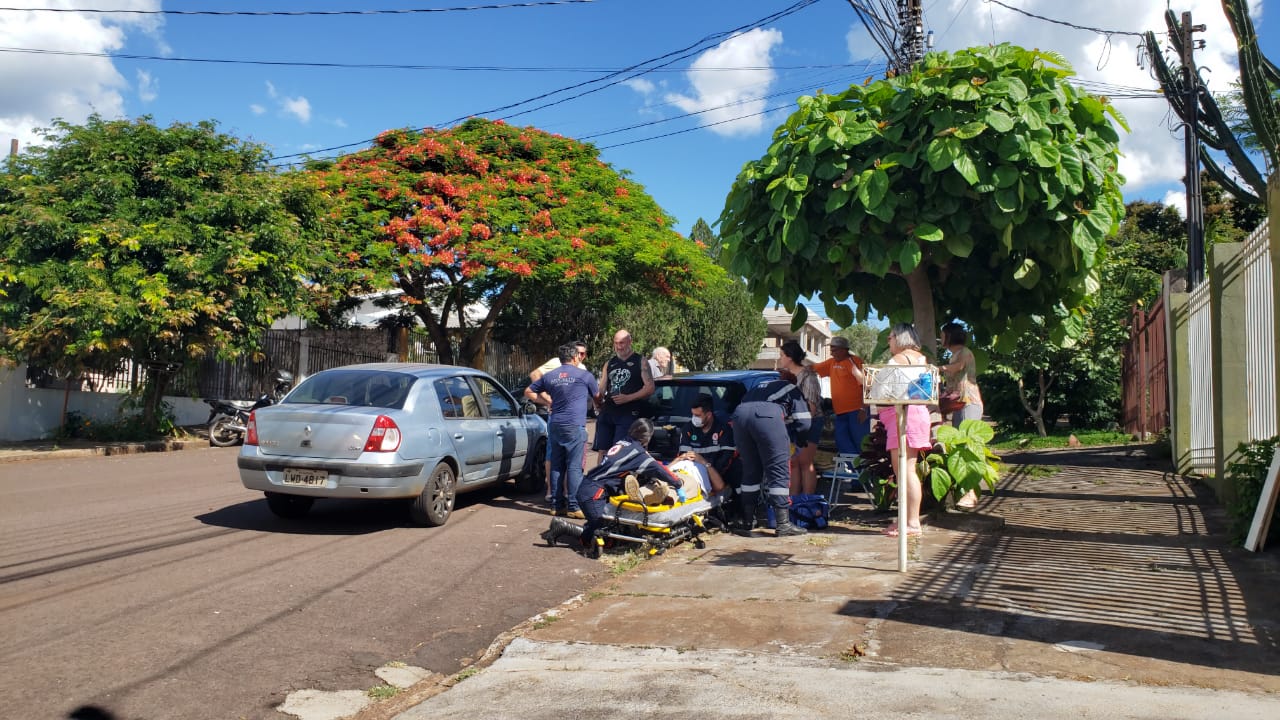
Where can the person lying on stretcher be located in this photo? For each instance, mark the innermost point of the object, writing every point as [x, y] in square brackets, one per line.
[693, 481]
[627, 458]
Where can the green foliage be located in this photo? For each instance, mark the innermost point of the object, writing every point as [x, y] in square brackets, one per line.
[983, 178]
[723, 332]
[652, 322]
[123, 240]
[129, 425]
[965, 463]
[863, 338]
[701, 233]
[476, 212]
[1039, 379]
[1247, 474]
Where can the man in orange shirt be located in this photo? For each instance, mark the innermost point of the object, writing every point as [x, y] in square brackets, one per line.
[846, 396]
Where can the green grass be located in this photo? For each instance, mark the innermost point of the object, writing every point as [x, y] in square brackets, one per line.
[1037, 470]
[545, 621]
[622, 564]
[382, 692]
[1058, 439]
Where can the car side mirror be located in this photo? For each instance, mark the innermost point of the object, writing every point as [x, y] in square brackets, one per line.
[529, 407]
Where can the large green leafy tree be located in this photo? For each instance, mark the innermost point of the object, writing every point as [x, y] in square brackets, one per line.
[121, 240]
[472, 214]
[980, 185]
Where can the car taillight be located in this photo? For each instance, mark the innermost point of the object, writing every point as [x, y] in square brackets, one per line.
[251, 431]
[385, 436]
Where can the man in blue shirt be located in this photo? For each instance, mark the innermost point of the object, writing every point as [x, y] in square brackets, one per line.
[570, 388]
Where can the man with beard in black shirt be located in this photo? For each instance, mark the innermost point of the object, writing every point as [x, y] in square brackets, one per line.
[625, 387]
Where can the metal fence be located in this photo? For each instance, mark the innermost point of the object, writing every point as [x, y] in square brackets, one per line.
[1145, 373]
[1201, 455]
[301, 352]
[1259, 340]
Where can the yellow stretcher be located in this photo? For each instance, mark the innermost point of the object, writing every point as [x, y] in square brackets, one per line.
[657, 527]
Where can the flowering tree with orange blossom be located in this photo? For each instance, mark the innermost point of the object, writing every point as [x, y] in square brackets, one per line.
[469, 214]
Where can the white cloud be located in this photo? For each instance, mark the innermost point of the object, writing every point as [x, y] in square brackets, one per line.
[1152, 151]
[339, 122]
[1178, 200]
[34, 90]
[640, 85]
[298, 107]
[713, 90]
[256, 109]
[148, 87]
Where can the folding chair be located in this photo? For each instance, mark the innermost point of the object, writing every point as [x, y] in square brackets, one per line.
[844, 469]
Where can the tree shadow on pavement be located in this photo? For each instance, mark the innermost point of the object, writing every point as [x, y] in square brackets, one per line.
[1133, 561]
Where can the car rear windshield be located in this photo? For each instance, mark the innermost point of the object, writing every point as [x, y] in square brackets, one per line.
[361, 388]
[671, 401]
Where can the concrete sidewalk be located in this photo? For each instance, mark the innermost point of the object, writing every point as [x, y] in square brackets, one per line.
[1108, 593]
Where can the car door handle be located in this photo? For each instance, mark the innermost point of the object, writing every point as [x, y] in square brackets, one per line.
[458, 436]
[499, 433]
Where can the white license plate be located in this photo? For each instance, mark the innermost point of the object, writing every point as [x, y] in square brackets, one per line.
[305, 478]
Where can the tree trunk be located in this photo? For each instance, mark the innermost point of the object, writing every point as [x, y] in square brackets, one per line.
[473, 345]
[159, 381]
[923, 311]
[1037, 412]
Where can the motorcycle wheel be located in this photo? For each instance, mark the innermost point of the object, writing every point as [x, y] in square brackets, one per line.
[221, 434]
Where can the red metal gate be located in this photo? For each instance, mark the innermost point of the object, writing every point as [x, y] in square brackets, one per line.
[1145, 373]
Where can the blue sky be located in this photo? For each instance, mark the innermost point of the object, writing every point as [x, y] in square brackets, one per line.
[296, 109]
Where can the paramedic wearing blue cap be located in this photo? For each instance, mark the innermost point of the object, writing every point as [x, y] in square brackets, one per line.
[770, 417]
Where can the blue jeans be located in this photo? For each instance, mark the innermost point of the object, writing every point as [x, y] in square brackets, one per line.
[567, 443]
[850, 431]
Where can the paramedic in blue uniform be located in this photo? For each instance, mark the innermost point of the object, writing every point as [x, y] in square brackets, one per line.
[625, 387]
[770, 417]
[570, 389]
[626, 457]
[708, 441]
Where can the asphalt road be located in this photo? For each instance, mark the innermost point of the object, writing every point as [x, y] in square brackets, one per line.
[155, 586]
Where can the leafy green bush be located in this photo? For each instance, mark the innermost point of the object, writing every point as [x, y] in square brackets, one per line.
[1248, 473]
[964, 463]
[128, 426]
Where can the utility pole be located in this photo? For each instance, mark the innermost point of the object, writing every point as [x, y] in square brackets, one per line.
[911, 30]
[1195, 204]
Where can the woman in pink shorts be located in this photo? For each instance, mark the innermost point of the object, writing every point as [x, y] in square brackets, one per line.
[904, 343]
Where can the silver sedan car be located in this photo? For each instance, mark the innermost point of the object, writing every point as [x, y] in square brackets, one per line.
[391, 430]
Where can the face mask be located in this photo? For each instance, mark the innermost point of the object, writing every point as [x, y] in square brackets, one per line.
[696, 421]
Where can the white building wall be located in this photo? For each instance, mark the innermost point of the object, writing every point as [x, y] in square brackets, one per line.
[33, 413]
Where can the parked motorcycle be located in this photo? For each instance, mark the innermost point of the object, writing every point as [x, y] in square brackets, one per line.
[227, 418]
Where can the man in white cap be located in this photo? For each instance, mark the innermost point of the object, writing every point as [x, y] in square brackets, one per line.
[852, 422]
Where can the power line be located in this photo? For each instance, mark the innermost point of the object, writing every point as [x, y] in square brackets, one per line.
[675, 56]
[766, 111]
[392, 66]
[299, 13]
[638, 69]
[695, 113]
[1064, 23]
